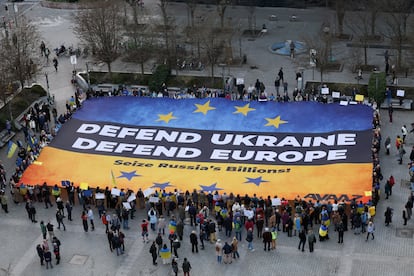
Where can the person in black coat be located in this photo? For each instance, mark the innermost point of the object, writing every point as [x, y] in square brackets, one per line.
[153, 251]
[267, 239]
[40, 253]
[388, 216]
[340, 229]
[194, 241]
[302, 240]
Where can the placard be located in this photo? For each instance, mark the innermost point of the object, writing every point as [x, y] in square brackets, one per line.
[400, 93]
[154, 199]
[83, 186]
[100, 196]
[325, 90]
[115, 192]
[73, 60]
[132, 197]
[276, 202]
[353, 102]
[359, 98]
[336, 95]
[126, 205]
[87, 193]
[65, 183]
[239, 81]
[148, 192]
[343, 102]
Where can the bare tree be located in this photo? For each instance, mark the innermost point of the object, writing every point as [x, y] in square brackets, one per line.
[19, 54]
[361, 27]
[373, 9]
[163, 4]
[141, 44]
[100, 28]
[213, 48]
[340, 15]
[396, 24]
[191, 6]
[5, 75]
[322, 44]
[251, 17]
[221, 10]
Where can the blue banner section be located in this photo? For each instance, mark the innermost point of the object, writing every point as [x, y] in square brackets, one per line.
[224, 115]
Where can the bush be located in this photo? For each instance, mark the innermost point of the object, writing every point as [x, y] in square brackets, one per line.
[159, 77]
[376, 86]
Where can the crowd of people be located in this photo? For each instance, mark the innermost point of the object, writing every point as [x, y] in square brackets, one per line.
[250, 217]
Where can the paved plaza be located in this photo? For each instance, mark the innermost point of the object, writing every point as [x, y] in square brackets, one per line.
[391, 253]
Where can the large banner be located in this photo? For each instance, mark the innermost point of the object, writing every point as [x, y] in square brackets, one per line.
[314, 150]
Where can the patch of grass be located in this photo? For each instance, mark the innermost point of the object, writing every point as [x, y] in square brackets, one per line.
[20, 102]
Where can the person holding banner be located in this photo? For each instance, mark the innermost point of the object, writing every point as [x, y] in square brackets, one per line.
[152, 215]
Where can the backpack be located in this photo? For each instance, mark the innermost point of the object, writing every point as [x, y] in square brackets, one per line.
[237, 226]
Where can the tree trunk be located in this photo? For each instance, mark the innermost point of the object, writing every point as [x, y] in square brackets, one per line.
[212, 74]
[340, 13]
[108, 64]
[373, 20]
[365, 54]
[321, 71]
[192, 17]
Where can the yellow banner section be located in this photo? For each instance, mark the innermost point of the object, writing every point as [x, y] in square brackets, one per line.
[341, 181]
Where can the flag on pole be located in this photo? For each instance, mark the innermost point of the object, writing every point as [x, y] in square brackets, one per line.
[11, 149]
[113, 179]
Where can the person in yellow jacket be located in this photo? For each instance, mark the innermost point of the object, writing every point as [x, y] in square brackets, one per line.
[274, 238]
[56, 192]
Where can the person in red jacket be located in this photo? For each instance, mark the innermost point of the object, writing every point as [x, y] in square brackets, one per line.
[392, 182]
[249, 225]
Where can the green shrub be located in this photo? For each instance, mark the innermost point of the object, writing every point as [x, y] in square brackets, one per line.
[159, 77]
[376, 86]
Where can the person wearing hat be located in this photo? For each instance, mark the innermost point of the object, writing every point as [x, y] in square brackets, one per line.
[219, 251]
[172, 237]
[194, 241]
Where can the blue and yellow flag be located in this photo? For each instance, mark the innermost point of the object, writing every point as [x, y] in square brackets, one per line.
[11, 149]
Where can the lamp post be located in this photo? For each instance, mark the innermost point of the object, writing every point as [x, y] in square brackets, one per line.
[87, 75]
[326, 31]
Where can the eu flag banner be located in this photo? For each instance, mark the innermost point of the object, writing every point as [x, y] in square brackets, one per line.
[213, 144]
[11, 149]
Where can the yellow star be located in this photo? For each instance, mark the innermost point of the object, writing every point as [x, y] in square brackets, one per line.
[165, 117]
[243, 109]
[275, 122]
[204, 108]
